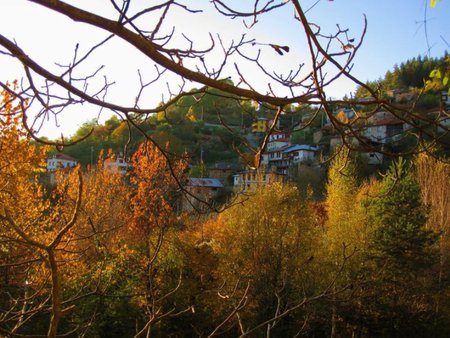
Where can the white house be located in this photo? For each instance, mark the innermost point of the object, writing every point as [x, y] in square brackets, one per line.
[385, 130]
[250, 180]
[273, 157]
[300, 153]
[116, 165]
[60, 161]
[277, 140]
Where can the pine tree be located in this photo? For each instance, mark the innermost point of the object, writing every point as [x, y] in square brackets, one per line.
[401, 239]
[398, 291]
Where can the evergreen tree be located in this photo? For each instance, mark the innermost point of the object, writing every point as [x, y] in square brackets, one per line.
[398, 292]
[401, 239]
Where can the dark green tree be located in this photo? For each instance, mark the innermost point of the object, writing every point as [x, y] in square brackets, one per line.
[398, 292]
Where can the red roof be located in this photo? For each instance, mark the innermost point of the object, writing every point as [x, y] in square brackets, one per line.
[388, 121]
[61, 156]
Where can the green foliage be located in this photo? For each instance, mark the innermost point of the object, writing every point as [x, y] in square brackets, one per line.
[309, 179]
[198, 171]
[439, 77]
[412, 73]
[270, 241]
[401, 239]
[302, 137]
[189, 125]
[398, 297]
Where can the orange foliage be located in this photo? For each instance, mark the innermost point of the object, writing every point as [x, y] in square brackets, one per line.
[156, 189]
[85, 232]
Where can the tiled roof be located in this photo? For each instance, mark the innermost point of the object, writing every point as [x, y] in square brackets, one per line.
[297, 147]
[278, 149]
[226, 166]
[61, 156]
[388, 121]
[205, 182]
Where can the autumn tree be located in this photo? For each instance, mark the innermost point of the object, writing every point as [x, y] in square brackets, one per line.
[59, 245]
[432, 175]
[36, 232]
[153, 203]
[103, 221]
[346, 233]
[267, 242]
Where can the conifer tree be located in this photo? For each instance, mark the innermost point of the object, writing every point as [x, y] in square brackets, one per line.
[401, 239]
[399, 288]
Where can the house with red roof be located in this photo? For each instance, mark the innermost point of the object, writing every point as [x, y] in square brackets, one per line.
[60, 161]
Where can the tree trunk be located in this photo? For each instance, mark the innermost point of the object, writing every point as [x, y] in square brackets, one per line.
[333, 322]
[56, 312]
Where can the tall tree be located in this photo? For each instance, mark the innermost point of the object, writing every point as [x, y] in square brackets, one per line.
[403, 252]
[153, 204]
[433, 178]
[268, 241]
[346, 235]
[37, 233]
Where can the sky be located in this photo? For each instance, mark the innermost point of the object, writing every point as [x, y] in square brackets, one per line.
[396, 31]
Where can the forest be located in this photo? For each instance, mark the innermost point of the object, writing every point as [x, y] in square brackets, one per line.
[103, 255]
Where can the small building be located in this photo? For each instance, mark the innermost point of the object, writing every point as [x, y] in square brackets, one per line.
[387, 130]
[273, 156]
[200, 189]
[401, 95]
[261, 125]
[299, 153]
[60, 161]
[276, 160]
[277, 140]
[116, 165]
[223, 170]
[250, 180]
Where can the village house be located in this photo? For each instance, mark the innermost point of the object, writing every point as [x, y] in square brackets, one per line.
[116, 164]
[250, 180]
[299, 153]
[60, 161]
[401, 95]
[384, 130]
[273, 157]
[223, 171]
[200, 189]
[281, 154]
[372, 135]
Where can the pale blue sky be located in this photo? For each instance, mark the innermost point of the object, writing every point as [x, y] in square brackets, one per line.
[395, 33]
[395, 30]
